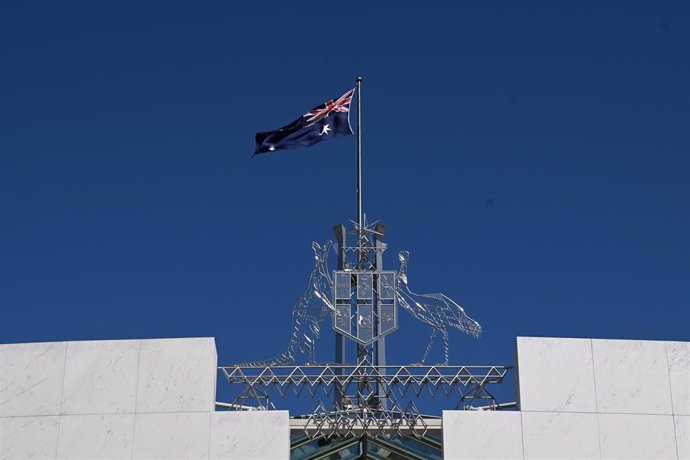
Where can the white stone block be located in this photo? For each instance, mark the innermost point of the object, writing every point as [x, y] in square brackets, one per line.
[108, 436]
[682, 424]
[631, 377]
[482, 435]
[172, 435]
[177, 375]
[31, 376]
[101, 377]
[555, 374]
[562, 435]
[28, 437]
[679, 373]
[634, 436]
[250, 435]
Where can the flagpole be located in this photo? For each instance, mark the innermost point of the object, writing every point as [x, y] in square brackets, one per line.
[359, 163]
[361, 349]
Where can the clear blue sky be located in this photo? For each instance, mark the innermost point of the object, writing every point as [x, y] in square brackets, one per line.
[532, 156]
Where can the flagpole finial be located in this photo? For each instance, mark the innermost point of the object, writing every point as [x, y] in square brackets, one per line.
[359, 79]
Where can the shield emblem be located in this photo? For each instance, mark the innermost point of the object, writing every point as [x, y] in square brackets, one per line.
[365, 304]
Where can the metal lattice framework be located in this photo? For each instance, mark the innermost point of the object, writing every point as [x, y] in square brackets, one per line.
[367, 397]
[258, 387]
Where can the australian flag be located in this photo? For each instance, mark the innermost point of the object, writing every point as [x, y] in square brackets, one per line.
[328, 120]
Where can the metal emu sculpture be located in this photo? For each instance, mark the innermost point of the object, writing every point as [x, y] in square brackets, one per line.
[437, 310]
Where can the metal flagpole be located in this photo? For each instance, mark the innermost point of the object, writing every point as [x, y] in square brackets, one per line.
[379, 349]
[361, 350]
[341, 235]
[359, 161]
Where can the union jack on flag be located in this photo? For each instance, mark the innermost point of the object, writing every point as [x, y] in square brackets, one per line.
[342, 104]
[328, 120]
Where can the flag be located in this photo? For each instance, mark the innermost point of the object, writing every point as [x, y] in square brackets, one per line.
[326, 121]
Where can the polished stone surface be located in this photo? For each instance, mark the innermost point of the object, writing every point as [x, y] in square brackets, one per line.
[171, 383]
[482, 435]
[177, 375]
[631, 377]
[562, 435]
[555, 374]
[633, 436]
[250, 435]
[108, 436]
[101, 377]
[679, 373]
[28, 437]
[172, 435]
[31, 376]
[682, 425]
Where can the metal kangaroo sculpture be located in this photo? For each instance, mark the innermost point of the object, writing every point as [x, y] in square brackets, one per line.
[437, 310]
[308, 314]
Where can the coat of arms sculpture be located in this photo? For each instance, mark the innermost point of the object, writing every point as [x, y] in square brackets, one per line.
[362, 300]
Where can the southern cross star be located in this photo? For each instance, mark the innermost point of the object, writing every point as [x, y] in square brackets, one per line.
[324, 130]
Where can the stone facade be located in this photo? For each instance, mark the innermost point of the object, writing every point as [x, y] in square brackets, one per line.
[587, 398]
[145, 399]
[135, 399]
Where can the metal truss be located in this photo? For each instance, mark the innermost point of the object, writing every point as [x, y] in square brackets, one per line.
[351, 399]
[428, 447]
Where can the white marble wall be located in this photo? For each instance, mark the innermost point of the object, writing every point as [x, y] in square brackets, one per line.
[632, 377]
[637, 436]
[593, 398]
[177, 376]
[172, 435]
[482, 435]
[101, 377]
[29, 437]
[549, 435]
[31, 378]
[585, 399]
[556, 375]
[107, 399]
[578, 398]
[96, 436]
[682, 425]
[261, 435]
[679, 374]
